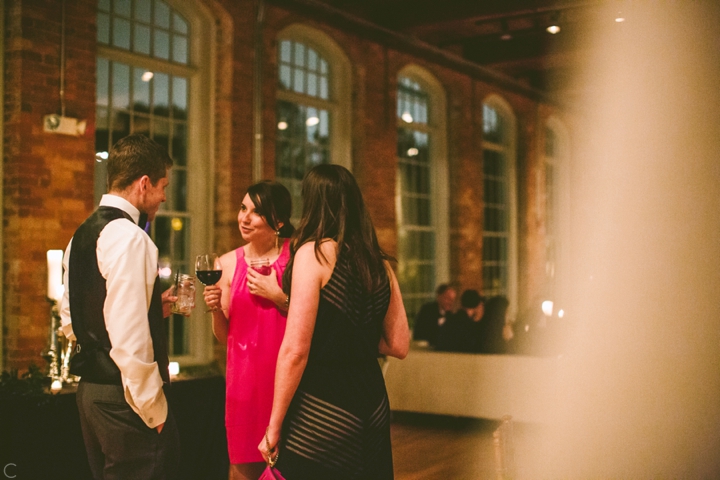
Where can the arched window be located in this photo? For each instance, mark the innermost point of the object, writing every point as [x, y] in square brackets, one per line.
[313, 90]
[421, 192]
[554, 161]
[499, 258]
[152, 79]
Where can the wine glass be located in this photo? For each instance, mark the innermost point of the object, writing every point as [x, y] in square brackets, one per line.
[208, 270]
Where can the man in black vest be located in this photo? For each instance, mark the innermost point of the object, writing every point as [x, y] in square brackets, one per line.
[114, 308]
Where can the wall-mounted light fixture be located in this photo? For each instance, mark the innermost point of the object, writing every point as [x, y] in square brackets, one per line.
[554, 26]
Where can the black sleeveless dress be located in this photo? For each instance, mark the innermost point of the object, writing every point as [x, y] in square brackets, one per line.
[338, 423]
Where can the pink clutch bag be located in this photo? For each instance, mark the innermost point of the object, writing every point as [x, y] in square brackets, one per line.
[271, 473]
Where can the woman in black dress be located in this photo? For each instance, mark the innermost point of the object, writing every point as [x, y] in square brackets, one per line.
[330, 416]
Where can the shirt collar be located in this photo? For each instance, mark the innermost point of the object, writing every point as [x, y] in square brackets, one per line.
[110, 200]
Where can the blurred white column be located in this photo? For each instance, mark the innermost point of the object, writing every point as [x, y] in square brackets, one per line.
[640, 385]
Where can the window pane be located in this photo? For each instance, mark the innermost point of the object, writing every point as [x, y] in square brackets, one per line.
[312, 85]
[121, 86]
[161, 133]
[101, 130]
[179, 97]
[285, 51]
[141, 91]
[179, 144]
[103, 81]
[179, 24]
[141, 124]
[162, 14]
[142, 39]
[104, 5]
[299, 57]
[103, 28]
[493, 128]
[312, 60]
[285, 73]
[324, 132]
[283, 162]
[299, 81]
[180, 49]
[142, 10]
[121, 33]
[179, 190]
[161, 94]
[324, 88]
[121, 7]
[120, 123]
[493, 163]
[161, 45]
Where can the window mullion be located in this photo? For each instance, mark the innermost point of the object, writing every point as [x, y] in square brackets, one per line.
[149, 63]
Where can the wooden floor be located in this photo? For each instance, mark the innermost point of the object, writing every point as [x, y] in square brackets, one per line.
[439, 447]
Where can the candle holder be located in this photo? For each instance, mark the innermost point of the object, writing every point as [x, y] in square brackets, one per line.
[58, 352]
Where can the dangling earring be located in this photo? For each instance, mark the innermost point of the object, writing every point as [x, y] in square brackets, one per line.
[277, 239]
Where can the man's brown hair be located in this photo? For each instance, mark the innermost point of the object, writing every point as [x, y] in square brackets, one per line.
[133, 157]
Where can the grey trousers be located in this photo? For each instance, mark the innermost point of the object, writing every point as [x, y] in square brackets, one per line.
[118, 443]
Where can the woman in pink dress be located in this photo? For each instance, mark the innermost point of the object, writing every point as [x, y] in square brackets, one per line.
[249, 312]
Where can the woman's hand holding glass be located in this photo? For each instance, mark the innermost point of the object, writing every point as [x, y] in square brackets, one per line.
[265, 286]
[213, 297]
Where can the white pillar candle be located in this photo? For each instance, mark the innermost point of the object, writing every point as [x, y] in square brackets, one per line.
[55, 287]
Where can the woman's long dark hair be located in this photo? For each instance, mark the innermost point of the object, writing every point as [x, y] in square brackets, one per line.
[333, 207]
[272, 200]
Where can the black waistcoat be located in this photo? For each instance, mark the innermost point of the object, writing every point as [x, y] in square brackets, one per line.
[87, 299]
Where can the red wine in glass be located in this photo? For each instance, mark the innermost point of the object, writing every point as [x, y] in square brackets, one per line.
[208, 268]
[208, 277]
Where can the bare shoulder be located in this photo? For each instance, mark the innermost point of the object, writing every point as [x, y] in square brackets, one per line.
[309, 264]
[328, 248]
[229, 262]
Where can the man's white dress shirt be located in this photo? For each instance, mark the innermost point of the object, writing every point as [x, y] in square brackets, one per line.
[127, 259]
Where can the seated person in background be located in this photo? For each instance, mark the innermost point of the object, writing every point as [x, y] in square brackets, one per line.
[462, 330]
[433, 314]
[493, 331]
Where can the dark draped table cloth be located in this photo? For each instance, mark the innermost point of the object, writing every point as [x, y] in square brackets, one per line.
[40, 437]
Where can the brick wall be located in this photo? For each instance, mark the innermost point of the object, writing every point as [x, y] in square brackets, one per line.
[48, 178]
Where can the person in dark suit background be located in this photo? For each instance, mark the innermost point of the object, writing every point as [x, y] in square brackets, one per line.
[492, 339]
[434, 314]
[462, 331]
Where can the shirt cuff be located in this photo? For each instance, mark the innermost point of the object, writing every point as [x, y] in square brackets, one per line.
[152, 411]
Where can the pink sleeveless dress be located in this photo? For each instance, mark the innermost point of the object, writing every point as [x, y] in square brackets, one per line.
[255, 332]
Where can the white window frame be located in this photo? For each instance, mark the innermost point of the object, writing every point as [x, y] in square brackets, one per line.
[561, 188]
[509, 148]
[200, 148]
[436, 128]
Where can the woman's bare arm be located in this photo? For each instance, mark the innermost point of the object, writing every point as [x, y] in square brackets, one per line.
[395, 340]
[308, 277]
